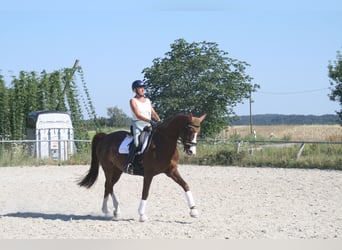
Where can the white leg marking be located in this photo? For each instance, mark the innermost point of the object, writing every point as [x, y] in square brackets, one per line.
[104, 206]
[141, 210]
[190, 199]
[191, 203]
[116, 211]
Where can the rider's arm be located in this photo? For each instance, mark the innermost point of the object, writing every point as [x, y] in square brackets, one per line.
[155, 115]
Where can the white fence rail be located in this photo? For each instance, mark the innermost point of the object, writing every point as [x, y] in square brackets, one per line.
[33, 147]
[252, 144]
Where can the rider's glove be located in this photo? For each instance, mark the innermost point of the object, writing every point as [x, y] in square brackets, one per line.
[153, 123]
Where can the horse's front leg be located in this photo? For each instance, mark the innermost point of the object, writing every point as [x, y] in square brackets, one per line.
[191, 203]
[175, 175]
[142, 206]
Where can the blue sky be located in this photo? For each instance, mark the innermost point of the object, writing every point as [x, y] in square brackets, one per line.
[287, 43]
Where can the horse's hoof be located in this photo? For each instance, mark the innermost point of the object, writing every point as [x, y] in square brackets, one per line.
[116, 215]
[105, 211]
[107, 214]
[143, 218]
[194, 213]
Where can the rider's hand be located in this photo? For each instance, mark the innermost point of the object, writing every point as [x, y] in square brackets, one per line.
[153, 123]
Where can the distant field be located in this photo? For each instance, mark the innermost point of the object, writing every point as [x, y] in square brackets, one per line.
[288, 132]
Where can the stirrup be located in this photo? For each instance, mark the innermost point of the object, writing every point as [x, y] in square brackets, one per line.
[129, 169]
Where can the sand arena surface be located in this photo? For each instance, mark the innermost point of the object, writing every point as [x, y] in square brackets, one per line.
[234, 203]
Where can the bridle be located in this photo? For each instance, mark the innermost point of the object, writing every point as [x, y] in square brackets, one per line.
[186, 134]
[189, 143]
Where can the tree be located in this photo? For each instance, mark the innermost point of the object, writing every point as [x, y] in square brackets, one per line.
[198, 78]
[117, 118]
[45, 91]
[335, 75]
[4, 113]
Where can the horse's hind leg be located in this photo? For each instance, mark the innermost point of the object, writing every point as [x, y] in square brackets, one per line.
[116, 177]
[175, 175]
[105, 210]
[111, 179]
[108, 190]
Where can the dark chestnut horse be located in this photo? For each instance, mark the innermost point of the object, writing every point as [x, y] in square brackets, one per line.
[161, 156]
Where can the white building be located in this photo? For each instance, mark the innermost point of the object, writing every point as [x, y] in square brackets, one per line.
[53, 133]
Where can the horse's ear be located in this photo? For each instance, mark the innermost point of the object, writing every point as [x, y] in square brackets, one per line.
[202, 117]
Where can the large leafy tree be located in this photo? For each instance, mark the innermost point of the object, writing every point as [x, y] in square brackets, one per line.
[198, 78]
[335, 75]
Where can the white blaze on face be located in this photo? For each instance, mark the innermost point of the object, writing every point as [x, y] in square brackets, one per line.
[193, 148]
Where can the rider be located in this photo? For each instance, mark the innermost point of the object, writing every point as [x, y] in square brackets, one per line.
[142, 112]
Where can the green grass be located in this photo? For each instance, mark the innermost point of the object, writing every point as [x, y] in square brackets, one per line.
[321, 156]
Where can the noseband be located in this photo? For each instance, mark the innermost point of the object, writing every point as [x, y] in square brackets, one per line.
[188, 144]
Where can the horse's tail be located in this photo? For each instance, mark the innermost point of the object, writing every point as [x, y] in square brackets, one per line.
[93, 172]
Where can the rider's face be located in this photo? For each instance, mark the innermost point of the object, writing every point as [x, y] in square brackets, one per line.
[140, 90]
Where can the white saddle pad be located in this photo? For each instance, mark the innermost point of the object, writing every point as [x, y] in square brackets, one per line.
[124, 146]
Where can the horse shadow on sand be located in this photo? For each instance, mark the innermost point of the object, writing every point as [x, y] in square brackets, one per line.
[73, 217]
[62, 217]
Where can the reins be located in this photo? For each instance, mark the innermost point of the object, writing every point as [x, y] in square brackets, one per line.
[190, 124]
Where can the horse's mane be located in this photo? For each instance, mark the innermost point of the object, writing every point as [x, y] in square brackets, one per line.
[168, 120]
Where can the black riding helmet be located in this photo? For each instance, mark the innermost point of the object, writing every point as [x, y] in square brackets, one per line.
[137, 84]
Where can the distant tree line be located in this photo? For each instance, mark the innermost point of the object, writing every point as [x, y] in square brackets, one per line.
[277, 119]
[116, 119]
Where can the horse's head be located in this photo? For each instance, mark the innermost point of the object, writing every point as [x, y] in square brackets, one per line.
[189, 134]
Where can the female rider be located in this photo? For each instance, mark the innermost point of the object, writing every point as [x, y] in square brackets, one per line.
[142, 112]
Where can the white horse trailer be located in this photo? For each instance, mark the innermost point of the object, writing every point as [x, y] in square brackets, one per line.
[53, 134]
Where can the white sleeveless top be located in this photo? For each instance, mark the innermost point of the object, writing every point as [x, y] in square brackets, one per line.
[144, 108]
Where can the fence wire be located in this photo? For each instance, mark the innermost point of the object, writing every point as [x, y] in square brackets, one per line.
[273, 153]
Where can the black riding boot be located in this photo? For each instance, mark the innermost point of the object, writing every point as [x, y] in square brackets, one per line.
[130, 158]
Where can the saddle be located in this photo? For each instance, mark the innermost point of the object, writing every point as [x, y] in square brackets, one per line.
[144, 141]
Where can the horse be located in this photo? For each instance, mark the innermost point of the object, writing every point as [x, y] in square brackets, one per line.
[161, 156]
